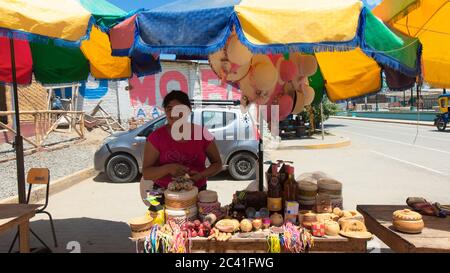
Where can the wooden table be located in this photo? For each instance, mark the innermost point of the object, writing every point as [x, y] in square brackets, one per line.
[13, 215]
[259, 245]
[435, 237]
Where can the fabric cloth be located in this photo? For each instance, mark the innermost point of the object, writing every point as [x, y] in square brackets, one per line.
[429, 21]
[391, 49]
[53, 64]
[390, 9]
[201, 27]
[102, 65]
[349, 74]
[189, 153]
[24, 62]
[61, 19]
[397, 81]
[122, 37]
[106, 14]
[321, 21]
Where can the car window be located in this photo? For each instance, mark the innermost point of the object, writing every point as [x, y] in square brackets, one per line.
[217, 119]
[152, 127]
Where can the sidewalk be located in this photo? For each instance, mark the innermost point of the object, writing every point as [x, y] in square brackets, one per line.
[398, 121]
[92, 216]
[315, 142]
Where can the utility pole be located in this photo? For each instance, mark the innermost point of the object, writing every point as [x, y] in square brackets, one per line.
[376, 102]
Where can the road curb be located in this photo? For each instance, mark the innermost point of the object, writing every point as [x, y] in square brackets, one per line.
[339, 144]
[56, 186]
[384, 121]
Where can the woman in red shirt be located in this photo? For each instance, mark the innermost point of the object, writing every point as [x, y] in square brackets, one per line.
[180, 147]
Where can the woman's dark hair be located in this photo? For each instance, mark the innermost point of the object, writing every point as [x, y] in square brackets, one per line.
[178, 95]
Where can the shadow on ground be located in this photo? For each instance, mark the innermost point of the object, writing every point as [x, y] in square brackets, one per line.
[326, 126]
[85, 235]
[224, 175]
[103, 178]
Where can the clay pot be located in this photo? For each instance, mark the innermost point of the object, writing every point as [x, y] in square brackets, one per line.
[408, 221]
[276, 219]
[332, 228]
[309, 219]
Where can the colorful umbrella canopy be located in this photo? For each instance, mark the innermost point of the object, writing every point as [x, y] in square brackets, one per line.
[331, 30]
[428, 20]
[86, 46]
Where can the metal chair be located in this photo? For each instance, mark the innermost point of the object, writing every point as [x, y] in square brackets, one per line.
[39, 176]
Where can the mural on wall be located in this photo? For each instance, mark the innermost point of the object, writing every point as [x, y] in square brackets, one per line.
[147, 93]
[93, 89]
[213, 89]
[141, 98]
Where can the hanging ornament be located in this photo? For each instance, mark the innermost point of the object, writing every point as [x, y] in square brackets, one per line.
[237, 53]
[299, 104]
[288, 70]
[263, 74]
[308, 93]
[307, 65]
[225, 69]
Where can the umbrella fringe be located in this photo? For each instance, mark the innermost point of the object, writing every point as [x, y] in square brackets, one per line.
[402, 14]
[309, 48]
[395, 64]
[37, 38]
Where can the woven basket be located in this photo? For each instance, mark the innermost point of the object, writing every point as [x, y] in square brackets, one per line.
[140, 227]
[181, 204]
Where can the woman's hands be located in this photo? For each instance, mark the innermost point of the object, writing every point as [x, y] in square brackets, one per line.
[176, 170]
[196, 176]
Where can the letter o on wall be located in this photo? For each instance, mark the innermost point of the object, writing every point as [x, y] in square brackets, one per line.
[172, 76]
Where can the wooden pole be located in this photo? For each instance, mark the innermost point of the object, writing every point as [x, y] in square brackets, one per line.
[18, 139]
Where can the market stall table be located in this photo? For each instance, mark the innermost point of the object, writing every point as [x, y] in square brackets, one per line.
[13, 215]
[435, 237]
[259, 245]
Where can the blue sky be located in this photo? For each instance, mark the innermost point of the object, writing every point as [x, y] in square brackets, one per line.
[129, 5]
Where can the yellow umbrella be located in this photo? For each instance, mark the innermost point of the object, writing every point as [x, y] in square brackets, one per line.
[428, 20]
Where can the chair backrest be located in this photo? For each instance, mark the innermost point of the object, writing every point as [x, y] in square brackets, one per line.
[38, 176]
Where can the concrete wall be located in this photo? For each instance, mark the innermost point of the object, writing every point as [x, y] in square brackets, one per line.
[142, 97]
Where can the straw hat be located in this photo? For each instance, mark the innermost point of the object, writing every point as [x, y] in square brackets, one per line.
[225, 68]
[237, 53]
[263, 74]
[247, 89]
[297, 96]
[308, 92]
[140, 226]
[355, 229]
[307, 64]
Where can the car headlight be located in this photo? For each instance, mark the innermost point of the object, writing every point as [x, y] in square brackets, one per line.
[108, 139]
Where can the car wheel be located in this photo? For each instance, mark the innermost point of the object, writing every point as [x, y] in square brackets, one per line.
[441, 124]
[242, 166]
[121, 168]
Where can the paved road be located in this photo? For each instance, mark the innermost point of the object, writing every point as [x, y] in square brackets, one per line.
[382, 166]
[386, 162]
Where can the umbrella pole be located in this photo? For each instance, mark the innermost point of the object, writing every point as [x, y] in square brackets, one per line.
[18, 139]
[260, 152]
